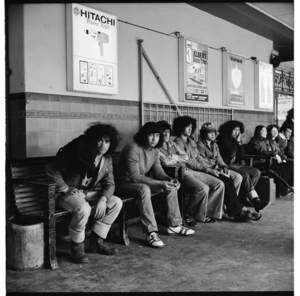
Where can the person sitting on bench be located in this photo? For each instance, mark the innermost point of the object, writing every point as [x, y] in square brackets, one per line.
[139, 159]
[232, 152]
[209, 150]
[83, 172]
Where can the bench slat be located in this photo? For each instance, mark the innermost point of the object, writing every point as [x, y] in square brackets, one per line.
[31, 193]
[29, 209]
[29, 199]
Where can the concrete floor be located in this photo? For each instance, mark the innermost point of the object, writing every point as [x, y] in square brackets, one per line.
[223, 256]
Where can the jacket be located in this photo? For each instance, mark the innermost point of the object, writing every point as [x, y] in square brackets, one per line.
[231, 151]
[74, 166]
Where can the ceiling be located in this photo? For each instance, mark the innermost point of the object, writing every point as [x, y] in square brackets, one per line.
[274, 21]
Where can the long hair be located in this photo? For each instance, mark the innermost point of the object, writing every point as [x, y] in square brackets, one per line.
[181, 122]
[99, 130]
[269, 128]
[257, 131]
[228, 126]
[164, 125]
[141, 137]
[206, 128]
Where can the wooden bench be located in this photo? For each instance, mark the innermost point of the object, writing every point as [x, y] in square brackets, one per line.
[34, 195]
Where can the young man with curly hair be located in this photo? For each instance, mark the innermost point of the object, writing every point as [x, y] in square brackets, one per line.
[83, 173]
[232, 151]
[140, 173]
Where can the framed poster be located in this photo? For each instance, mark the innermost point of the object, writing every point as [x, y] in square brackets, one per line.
[92, 64]
[263, 85]
[278, 80]
[233, 79]
[193, 71]
[284, 104]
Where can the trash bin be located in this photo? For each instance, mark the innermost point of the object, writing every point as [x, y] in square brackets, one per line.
[25, 243]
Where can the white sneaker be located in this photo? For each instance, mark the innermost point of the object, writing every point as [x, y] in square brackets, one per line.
[154, 240]
[181, 230]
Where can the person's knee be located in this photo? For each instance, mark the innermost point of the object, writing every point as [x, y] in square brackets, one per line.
[84, 210]
[144, 191]
[202, 189]
[118, 203]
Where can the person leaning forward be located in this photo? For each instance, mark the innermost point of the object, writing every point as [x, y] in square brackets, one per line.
[83, 173]
[137, 160]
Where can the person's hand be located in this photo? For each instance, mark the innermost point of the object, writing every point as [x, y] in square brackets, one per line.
[225, 170]
[176, 183]
[167, 185]
[75, 192]
[99, 209]
[278, 158]
[238, 138]
[213, 172]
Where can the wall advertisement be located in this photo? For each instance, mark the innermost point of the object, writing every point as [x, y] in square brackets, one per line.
[233, 80]
[91, 50]
[193, 71]
[284, 104]
[263, 86]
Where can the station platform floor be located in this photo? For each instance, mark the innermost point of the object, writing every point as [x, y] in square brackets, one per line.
[222, 256]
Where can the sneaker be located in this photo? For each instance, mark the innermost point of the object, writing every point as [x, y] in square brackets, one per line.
[154, 240]
[259, 204]
[180, 230]
[189, 221]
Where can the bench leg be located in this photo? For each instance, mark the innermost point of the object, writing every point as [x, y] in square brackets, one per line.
[50, 244]
[123, 226]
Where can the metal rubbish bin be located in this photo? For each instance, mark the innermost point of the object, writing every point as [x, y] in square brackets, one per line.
[24, 243]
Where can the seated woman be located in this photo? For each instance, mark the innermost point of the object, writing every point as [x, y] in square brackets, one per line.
[263, 143]
[209, 150]
[232, 151]
[83, 173]
[138, 159]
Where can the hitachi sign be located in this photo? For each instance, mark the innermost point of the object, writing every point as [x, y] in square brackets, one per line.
[95, 17]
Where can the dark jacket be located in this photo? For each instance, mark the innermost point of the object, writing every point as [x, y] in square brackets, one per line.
[75, 162]
[231, 151]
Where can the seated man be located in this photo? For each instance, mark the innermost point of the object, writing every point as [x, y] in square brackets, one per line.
[286, 142]
[209, 150]
[232, 151]
[205, 203]
[83, 172]
[138, 159]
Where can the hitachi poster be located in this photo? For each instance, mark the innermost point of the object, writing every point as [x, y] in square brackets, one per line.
[194, 71]
[91, 50]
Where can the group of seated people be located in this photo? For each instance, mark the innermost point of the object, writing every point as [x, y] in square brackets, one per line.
[214, 177]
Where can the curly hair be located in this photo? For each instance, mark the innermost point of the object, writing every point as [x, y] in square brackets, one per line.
[228, 126]
[257, 131]
[181, 122]
[141, 137]
[99, 130]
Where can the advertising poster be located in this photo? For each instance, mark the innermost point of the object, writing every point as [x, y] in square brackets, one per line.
[263, 85]
[278, 80]
[91, 50]
[193, 71]
[284, 104]
[233, 80]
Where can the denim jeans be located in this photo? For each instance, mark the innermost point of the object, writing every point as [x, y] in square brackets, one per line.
[142, 193]
[82, 208]
[250, 176]
[206, 195]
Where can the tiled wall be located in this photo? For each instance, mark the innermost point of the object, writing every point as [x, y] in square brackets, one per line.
[40, 124]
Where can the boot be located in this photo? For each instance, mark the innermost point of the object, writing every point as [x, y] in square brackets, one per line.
[98, 246]
[77, 250]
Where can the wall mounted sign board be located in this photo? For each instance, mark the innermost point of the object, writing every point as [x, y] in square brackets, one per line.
[263, 85]
[284, 104]
[193, 71]
[233, 79]
[283, 81]
[91, 50]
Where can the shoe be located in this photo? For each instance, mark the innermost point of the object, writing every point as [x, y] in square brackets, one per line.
[154, 240]
[77, 250]
[189, 221]
[255, 216]
[286, 192]
[259, 204]
[243, 216]
[98, 246]
[180, 230]
[210, 220]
